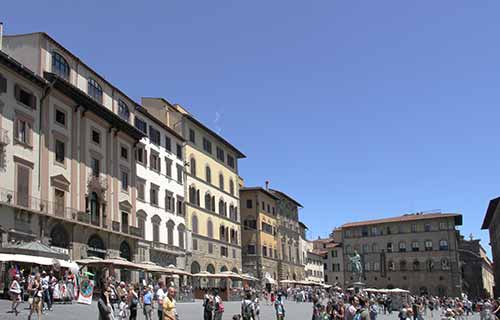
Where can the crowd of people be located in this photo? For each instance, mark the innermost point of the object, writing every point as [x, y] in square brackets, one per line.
[41, 289]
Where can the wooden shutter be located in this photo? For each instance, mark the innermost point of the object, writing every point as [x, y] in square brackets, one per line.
[23, 192]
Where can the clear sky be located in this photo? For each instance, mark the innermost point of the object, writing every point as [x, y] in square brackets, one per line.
[358, 109]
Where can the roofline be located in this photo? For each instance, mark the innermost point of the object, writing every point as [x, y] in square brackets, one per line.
[239, 154]
[303, 224]
[288, 197]
[490, 212]
[16, 66]
[44, 34]
[87, 102]
[458, 220]
[147, 114]
[259, 189]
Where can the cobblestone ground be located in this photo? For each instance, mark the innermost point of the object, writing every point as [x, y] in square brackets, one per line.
[187, 311]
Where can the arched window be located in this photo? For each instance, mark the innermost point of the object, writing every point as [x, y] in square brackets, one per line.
[231, 187]
[170, 232]
[222, 233]
[208, 201]
[208, 174]
[231, 212]
[211, 268]
[125, 251]
[221, 181]
[95, 247]
[182, 234]
[402, 265]
[59, 237]
[123, 110]
[95, 90]
[194, 224]
[60, 66]
[195, 267]
[155, 223]
[416, 265]
[443, 245]
[221, 207]
[223, 269]
[192, 167]
[210, 229]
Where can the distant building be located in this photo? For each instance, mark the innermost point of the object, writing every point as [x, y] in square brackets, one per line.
[333, 260]
[492, 223]
[418, 252]
[477, 270]
[314, 266]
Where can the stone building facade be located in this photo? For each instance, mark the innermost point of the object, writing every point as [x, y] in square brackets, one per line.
[68, 155]
[477, 269]
[211, 188]
[333, 260]
[418, 252]
[260, 234]
[491, 223]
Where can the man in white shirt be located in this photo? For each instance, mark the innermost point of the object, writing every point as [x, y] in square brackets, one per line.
[160, 295]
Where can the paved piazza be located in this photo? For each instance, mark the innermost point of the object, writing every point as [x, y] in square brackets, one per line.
[187, 311]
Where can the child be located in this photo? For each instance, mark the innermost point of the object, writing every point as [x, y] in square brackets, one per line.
[123, 308]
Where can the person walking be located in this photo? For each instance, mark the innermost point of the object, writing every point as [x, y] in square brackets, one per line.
[160, 295]
[104, 305]
[208, 306]
[45, 288]
[218, 306]
[123, 307]
[373, 309]
[279, 307]
[147, 301]
[247, 307]
[36, 292]
[15, 293]
[169, 310]
[317, 309]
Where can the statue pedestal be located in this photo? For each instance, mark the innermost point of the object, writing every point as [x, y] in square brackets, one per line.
[358, 287]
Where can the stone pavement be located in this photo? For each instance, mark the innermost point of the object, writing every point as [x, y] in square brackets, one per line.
[187, 311]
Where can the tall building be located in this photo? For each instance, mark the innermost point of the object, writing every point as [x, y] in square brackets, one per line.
[491, 223]
[260, 234]
[477, 269]
[418, 252]
[291, 265]
[160, 193]
[69, 171]
[212, 189]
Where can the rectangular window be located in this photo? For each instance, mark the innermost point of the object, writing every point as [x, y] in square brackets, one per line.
[220, 154]
[140, 190]
[23, 131]
[154, 136]
[195, 244]
[124, 181]
[427, 227]
[267, 228]
[154, 162]
[414, 246]
[230, 161]
[59, 202]
[168, 143]
[428, 245]
[264, 251]
[192, 136]
[180, 176]
[414, 227]
[179, 151]
[443, 226]
[180, 205]
[207, 145]
[96, 137]
[60, 117]
[389, 247]
[249, 204]
[168, 164]
[156, 232]
[60, 151]
[251, 249]
[141, 155]
[334, 253]
[153, 195]
[25, 97]
[96, 167]
[224, 251]
[124, 153]
[169, 201]
[23, 189]
[141, 125]
[210, 248]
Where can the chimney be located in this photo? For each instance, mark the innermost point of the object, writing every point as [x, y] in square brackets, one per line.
[1, 35]
[267, 185]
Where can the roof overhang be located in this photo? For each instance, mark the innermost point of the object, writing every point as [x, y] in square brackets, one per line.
[490, 212]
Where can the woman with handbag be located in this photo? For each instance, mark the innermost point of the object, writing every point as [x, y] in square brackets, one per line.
[15, 293]
[36, 295]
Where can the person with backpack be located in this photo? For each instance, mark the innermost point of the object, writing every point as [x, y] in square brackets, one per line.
[247, 307]
[279, 307]
[219, 306]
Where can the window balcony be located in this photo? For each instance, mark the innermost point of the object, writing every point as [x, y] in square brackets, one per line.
[134, 231]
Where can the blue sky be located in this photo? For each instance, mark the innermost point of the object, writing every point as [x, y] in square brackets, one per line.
[359, 109]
